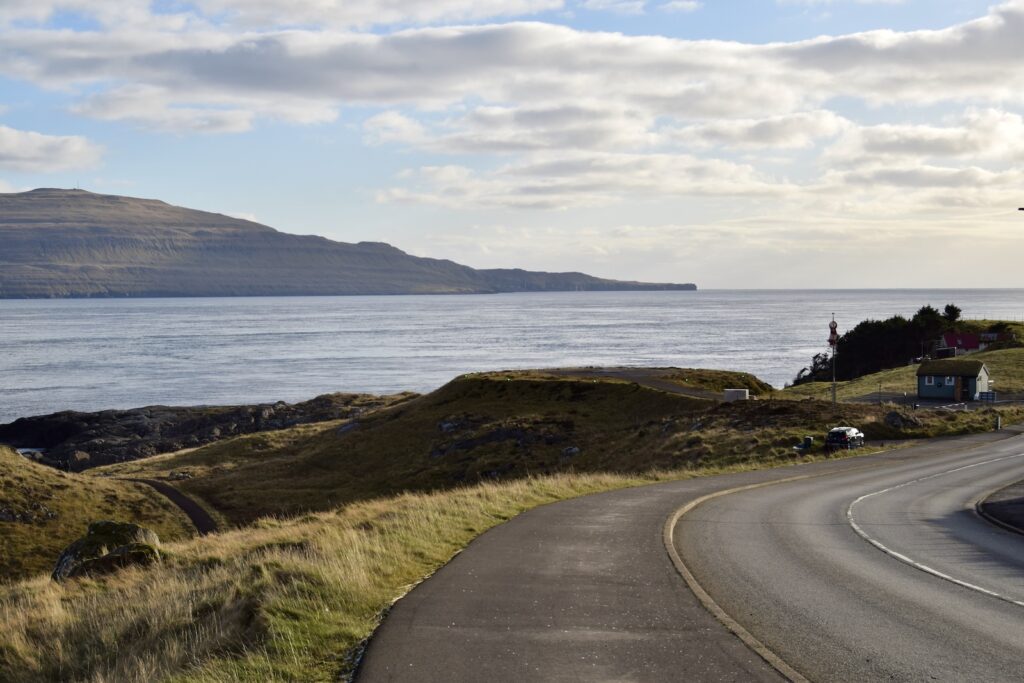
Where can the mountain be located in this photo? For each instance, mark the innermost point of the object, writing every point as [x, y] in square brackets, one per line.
[73, 243]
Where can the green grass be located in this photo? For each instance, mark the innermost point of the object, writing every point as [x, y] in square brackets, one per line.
[1006, 367]
[74, 500]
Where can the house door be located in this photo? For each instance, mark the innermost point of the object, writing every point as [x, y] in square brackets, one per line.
[963, 388]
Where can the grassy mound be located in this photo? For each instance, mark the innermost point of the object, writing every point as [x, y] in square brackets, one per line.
[504, 426]
[42, 510]
[1005, 365]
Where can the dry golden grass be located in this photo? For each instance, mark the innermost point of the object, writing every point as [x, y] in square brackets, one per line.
[293, 599]
[282, 600]
[75, 500]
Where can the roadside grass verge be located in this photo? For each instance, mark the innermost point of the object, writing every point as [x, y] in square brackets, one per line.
[280, 600]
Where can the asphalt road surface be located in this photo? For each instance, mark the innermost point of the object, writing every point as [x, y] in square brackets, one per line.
[200, 518]
[883, 573]
[584, 590]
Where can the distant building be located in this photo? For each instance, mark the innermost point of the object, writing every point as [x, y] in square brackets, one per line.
[961, 341]
[952, 379]
[958, 343]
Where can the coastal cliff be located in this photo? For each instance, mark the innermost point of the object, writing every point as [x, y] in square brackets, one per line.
[73, 243]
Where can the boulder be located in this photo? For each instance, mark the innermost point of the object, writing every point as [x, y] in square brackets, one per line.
[898, 420]
[106, 547]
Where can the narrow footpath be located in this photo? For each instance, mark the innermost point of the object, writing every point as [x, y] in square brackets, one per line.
[201, 519]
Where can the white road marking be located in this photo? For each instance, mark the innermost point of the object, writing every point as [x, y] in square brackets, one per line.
[912, 562]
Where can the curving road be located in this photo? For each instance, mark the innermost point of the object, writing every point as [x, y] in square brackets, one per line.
[883, 573]
[584, 590]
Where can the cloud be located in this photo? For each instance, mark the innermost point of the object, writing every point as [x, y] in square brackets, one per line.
[560, 181]
[35, 152]
[788, 131]
[495, 129]
[680, 6]
[264, 14]
[986, 134]
[149, 107]
[579, 118]
[617, 6]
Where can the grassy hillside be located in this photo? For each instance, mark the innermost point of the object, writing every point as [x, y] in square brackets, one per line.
[43, 510]
[291, 598]
[1006, 367]
[502, 426]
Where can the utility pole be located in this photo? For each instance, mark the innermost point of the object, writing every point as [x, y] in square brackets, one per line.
[833, 341]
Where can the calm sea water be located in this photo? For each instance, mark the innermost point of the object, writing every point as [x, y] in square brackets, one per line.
[106, 353]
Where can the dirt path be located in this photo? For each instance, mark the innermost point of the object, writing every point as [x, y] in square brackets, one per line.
[201, 519]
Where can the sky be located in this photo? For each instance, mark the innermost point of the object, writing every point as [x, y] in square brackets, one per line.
[746, 144]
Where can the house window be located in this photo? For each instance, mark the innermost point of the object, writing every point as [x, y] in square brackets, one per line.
[949, 380]
[929, 380]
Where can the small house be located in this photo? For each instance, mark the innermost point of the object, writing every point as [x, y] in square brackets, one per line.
[952, 379]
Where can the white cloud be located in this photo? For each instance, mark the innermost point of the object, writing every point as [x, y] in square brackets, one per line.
[787, 131]
[680, 6]
[985, 134]
[264, 14]
[493, 129]
[149, 107]
[560, 181]
[617, 6]
[579, 118]
[35, 152]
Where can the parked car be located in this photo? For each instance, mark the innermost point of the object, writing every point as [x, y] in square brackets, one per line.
[844, 437]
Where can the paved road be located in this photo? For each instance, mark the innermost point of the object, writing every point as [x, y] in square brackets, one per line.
[873, 574]
[201, 519]
[584, 590]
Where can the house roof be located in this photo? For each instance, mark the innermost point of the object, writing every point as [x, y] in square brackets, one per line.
[950, 368]
[962, 340]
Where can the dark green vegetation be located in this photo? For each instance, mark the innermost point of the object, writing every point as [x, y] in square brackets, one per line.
[72, 243]
[875, 345]
[43, 510]
[505, 426]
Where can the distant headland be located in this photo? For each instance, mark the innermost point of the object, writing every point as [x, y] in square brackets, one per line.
[73, 243]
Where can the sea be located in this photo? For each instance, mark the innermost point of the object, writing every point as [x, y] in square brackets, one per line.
[94, 354]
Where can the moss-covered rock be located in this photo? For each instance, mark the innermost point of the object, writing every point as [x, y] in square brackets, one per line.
[107, 547]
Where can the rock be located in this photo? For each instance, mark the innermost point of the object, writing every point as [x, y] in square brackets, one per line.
[133, 554]
[78, 441]
[897, 420]
[570, 452]
[106, 547]
[346, 428]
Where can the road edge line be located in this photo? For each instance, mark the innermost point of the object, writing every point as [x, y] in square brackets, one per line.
[979, 509]
[668, 537]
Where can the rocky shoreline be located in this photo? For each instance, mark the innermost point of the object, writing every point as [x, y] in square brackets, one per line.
[77, 441]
